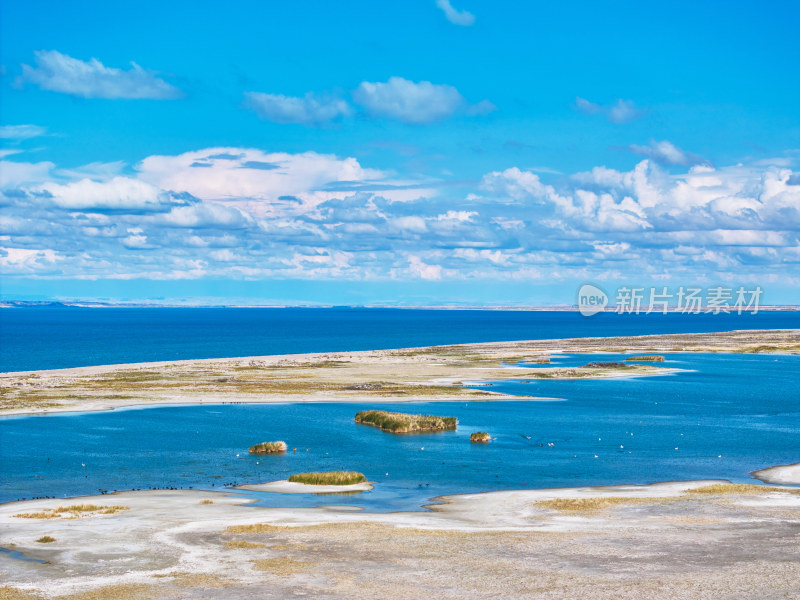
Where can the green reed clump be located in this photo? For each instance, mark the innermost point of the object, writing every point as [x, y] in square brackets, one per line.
[328, 478]
[396, 422]
[268, 448]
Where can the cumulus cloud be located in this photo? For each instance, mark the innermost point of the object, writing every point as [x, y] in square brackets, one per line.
[456, 17]
[417, 103]
[21, 132]
[119, 193]
[306, 110]
[259, 182]
[623, 111]
[246, 213]
[666, 153]
[91, 79]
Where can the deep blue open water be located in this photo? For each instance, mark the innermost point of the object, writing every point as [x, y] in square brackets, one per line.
[52, 338]
[726, 415]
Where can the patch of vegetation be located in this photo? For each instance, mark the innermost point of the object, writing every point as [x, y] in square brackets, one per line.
[328, 478]
[480, 437]
[592, 504]
[395, 422]
[206, 501]
[255, 528]
[74, 510]
[791, 348]
[233, 544]
[737, 488]
[268, 448]
[11, 593]
[606, 365]
[646, 358]
[284, 565]
[46, 539]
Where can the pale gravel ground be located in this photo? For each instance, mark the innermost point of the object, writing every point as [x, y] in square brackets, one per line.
[494, 545]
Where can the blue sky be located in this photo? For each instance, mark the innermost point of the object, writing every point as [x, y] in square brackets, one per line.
[427, 152]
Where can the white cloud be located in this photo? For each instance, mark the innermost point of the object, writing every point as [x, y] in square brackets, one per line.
[26, 260]
[308, 110]
[207, 214]
[119, 193]
[96, 170]
[623, 111]
[666, 153]
[256, 181]
[417, 268]
[456, 17]
[417, 103]
[21, 132]
[245, 213]
[14, 173]
[91, 79]
[136, 239]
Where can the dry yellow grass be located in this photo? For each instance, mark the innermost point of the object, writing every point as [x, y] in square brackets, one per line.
[232, 544]
[282, 565]
[598, 503]
[129, 591]
[10, 593]
[72, 511]
[255, 528]
[198, 580]
[206, 501]
[737, 488]
[605, 502]
[49, 514]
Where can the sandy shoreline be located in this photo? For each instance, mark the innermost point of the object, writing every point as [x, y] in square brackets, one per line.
[781, 474]
[200, 544]
[427, 374]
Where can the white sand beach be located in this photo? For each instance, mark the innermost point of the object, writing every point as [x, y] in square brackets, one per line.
[701, 539]
[782, 474]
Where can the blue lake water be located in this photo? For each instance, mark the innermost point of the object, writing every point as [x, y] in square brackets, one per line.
[52, 338]
[727, 415]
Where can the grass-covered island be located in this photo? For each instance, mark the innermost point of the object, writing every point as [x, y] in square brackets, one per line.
[268, 448]
[328, 478]
[646, 358]
[480, 437]
[396, 422]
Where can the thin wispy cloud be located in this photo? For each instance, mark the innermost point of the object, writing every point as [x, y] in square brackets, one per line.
[418, 103]
[21, 132]
[306, 110]
[666, 153]
[456, 17]
[622, 111]
[58, 72]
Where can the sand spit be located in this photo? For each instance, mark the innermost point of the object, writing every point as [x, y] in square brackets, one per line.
[404, 375]
[666, 540]
[783, 474]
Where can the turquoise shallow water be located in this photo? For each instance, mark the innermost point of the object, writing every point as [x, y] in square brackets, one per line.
[726, 415]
